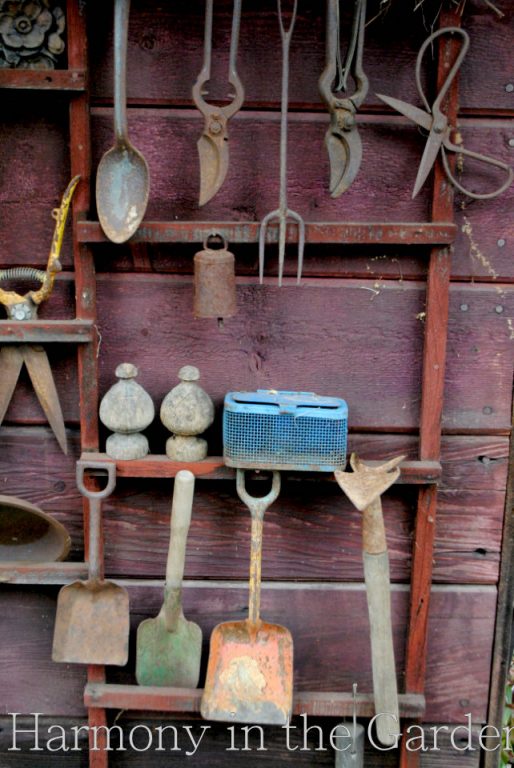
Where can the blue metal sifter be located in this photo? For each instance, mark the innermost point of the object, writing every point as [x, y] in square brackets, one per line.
[270, 429]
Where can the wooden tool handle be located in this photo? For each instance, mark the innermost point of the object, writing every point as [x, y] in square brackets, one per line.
[385, 690]
[181, 509]
[373, 529]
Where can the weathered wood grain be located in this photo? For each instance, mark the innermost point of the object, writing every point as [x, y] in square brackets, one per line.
[168, 139]
[330, 632]
[323, 336]
[175, 34]
[34, 172]
[468, 533]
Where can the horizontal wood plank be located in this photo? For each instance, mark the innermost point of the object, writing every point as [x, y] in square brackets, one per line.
[187, 700]
[316, 233]
[43, 80]
[213, 467]
[51, 331]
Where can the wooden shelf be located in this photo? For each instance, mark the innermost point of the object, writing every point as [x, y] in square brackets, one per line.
[187, 700]
[213, 468]
[46, 331]
[42, 573]
[316, 233]
[43, 79]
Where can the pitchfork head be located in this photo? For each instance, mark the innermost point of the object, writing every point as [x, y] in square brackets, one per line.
[282, 216]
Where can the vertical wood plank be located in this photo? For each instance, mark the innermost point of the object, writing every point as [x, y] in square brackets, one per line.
[85, 287]
[97, 717]
[432, 390]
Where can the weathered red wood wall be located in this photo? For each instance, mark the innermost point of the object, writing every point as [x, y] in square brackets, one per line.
[354, 329]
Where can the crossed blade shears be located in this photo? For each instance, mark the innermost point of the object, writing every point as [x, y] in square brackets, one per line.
[433, 120]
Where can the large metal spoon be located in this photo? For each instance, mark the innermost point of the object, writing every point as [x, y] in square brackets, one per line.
[122, 179]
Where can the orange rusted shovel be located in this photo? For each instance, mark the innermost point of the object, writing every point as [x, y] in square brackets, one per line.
[250, 670]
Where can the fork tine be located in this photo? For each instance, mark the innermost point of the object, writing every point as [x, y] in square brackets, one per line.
[262, 240]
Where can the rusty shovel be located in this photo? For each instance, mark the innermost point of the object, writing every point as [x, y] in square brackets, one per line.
[364, 487]
[169, 647]
[250, 670]
[92, 619]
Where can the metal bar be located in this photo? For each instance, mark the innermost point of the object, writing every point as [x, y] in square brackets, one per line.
[44, 80]
[46, 331]
[187, 700]
[316, 233]
[412, 472]
[432, 390]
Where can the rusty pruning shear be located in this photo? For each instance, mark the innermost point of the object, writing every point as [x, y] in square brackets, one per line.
[433, 120]
[213, 143]
[342, 139]
[23, 307]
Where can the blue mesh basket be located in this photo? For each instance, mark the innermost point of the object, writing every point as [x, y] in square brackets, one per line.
[271, 429]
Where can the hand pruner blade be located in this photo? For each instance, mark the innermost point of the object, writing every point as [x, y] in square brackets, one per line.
[212, 145]
[342, 140]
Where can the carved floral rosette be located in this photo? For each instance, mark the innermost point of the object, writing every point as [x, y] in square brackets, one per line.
[30, 34]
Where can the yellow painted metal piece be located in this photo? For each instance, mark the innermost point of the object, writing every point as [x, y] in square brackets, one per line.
[47, 278]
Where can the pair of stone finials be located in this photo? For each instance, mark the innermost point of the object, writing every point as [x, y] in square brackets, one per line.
[127, 409]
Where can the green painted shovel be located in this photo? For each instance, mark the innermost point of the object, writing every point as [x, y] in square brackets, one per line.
[169, 647]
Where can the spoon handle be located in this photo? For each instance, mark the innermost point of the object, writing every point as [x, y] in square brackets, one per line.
[121, 18]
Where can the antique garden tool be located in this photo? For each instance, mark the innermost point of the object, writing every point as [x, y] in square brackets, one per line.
[92, 619]
[122, 179]
[283, 213]
[24, 307]
[169, 647]
[250, 670]
[213, 143]
[436, 123]
[364, 487]
[342, 139]
[27, 534]
[350, 744]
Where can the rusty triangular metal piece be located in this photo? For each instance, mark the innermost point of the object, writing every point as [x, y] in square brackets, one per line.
[40, 373]
[367, 483]
[11, 362]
